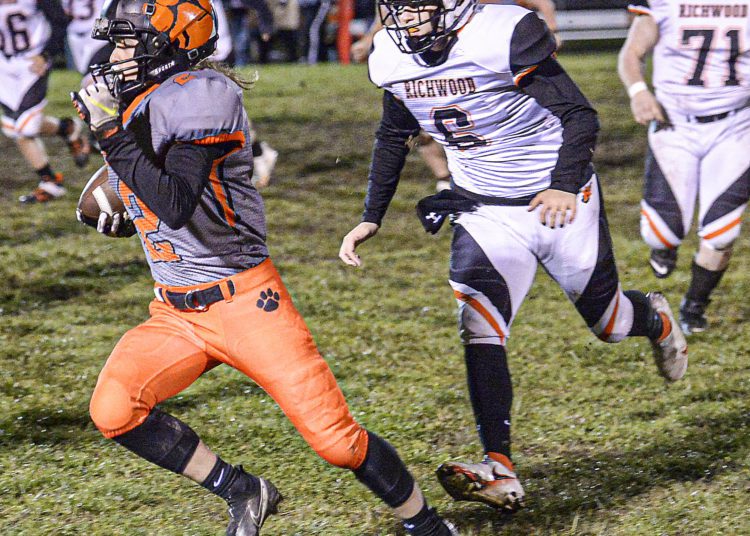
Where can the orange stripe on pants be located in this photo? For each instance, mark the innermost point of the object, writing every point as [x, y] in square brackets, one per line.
[482, 310]
[164, 355]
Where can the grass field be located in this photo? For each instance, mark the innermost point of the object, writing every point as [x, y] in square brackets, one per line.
[602, 445]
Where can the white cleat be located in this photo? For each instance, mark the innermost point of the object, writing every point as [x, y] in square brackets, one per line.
[492, 482]
[263, 165]
[670, 350]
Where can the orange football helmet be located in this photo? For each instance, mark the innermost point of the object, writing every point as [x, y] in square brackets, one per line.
[171, 35]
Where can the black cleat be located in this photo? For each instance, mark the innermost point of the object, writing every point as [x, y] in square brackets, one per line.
[248, 511]
[663, 262]
[692, 316]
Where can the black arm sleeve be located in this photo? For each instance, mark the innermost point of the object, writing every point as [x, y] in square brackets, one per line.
[397, 126]
[58, 21]
[551, 86]
[171, 193]
[546, 81]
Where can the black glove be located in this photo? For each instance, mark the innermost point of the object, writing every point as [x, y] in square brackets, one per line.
[434, 209]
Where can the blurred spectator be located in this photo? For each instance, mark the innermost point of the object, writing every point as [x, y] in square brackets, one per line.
[239, 26]
[286, 19]
[313, 28]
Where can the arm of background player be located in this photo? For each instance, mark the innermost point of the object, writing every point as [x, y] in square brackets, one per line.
[397, 126]
[171, 193]
[546, 8]
[642, 38]
[540, 76]
[58, 22]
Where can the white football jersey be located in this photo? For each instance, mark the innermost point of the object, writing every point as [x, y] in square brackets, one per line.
[499, 141]
[24, 29]
[83, 14]
[702, 58]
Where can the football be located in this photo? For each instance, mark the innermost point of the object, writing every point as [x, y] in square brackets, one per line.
[97, 197]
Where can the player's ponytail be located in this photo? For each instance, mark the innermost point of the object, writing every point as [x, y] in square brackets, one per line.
[227, 71]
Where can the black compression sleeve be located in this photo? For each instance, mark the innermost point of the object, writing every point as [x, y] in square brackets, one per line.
[388, 156]
[530, 44]
[172, 193]
[552, 88]
[58, 22]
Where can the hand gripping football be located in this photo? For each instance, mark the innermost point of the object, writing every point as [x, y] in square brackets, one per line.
[101, 208]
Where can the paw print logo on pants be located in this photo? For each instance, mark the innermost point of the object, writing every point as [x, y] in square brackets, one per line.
[268, 301]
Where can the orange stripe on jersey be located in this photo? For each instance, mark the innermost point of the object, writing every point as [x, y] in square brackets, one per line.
[723, 230]
[133, 105]
[479, 308]
[216, 185]
[520, 76]
[656, 231]
[148, 223]
[609, 328]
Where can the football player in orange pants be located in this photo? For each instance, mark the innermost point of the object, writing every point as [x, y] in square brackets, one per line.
[185, 182]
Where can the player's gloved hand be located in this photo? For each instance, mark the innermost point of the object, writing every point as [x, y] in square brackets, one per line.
[97, 107]
[117, 225]
[646, 108]
[355, 237]
[558, 207]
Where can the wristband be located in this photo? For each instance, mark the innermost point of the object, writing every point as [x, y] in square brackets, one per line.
[636, 88]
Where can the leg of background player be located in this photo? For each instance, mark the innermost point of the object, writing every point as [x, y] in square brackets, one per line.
[724, 193]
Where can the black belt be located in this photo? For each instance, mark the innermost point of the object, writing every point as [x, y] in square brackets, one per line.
[195, 300]
[711, 118]
[716, 117]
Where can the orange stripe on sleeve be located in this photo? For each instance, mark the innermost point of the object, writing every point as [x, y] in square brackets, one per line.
[638, 11]
[520, 76]
[478, 307]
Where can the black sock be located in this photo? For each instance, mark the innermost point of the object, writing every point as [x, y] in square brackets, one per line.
[64, 128]
[46, 173]
[703, 283]
[425, 522]
[646, 321]
[491, 393]
[257, 149]
[384, 473]
[224, 480]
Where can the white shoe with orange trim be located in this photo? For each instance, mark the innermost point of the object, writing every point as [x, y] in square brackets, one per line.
[263, 165]
[492, 482]
[670, 349]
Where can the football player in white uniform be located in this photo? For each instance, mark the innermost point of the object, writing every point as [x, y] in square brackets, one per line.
[699, 134]
[31, 31]
[84, 49]
[519, 135]
[431, 151]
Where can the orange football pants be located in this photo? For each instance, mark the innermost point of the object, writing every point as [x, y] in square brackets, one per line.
[159, 358]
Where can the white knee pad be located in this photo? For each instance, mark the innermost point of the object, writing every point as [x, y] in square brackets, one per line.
[655, 231]
[713, 259]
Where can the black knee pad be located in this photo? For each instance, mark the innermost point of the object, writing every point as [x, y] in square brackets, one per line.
[384, 472]
[163, 440]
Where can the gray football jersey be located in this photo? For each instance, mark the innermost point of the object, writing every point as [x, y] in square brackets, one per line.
[226, 233]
